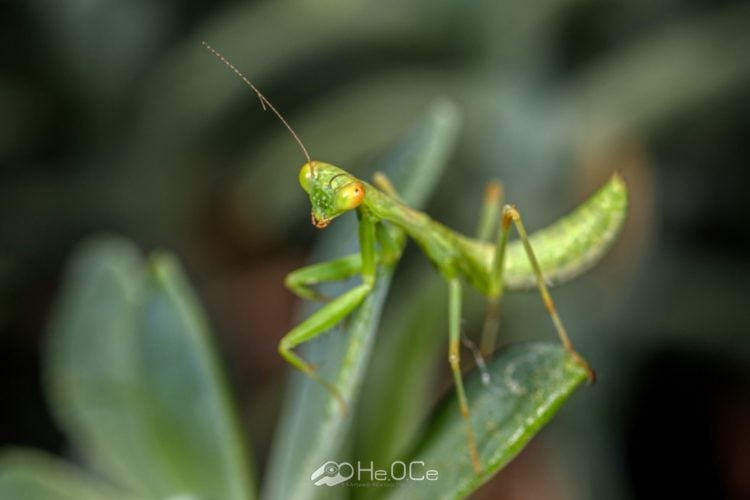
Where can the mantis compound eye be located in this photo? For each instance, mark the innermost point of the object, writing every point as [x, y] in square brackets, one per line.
[350, 196]
[306, 177]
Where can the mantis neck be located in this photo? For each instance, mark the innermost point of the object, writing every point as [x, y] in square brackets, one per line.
[448, 250]
[386, 208]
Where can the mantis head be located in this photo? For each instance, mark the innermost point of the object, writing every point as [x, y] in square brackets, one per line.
[332, 191]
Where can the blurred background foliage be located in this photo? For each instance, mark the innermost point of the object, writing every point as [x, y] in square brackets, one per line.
[113, 117]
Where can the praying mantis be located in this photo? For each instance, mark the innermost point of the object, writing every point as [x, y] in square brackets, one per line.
[488, 262]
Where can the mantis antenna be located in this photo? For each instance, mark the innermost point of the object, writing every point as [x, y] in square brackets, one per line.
[265, 103]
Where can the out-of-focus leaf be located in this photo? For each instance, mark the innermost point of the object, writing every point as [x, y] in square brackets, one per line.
[528, 383]
[399, 387]
[312, 427]
[92, 355]
[134, 380]
[32, 475]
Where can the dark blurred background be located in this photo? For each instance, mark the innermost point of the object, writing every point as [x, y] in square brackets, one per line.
[114, 118]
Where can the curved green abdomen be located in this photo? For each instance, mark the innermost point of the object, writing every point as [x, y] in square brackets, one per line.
[568, 247]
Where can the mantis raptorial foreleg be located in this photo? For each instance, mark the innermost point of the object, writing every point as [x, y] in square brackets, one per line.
[454, 358]
[334, 311]
[301, 281]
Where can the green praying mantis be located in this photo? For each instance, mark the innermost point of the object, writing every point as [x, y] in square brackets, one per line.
[488, 261]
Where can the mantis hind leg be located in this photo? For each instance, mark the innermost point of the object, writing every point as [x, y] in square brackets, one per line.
[454, 358]
[512, 216]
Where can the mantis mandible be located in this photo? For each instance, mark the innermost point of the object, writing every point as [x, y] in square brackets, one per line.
[487, 262]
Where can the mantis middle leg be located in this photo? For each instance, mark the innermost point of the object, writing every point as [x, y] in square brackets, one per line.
[454, 358]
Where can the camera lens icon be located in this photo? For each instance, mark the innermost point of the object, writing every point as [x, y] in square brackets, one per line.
[331, 473]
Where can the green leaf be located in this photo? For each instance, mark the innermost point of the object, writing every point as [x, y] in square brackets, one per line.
[134, 380]
[313, 429]
[400, 391]
[91, 368]
[32, 475]
[528, 383]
